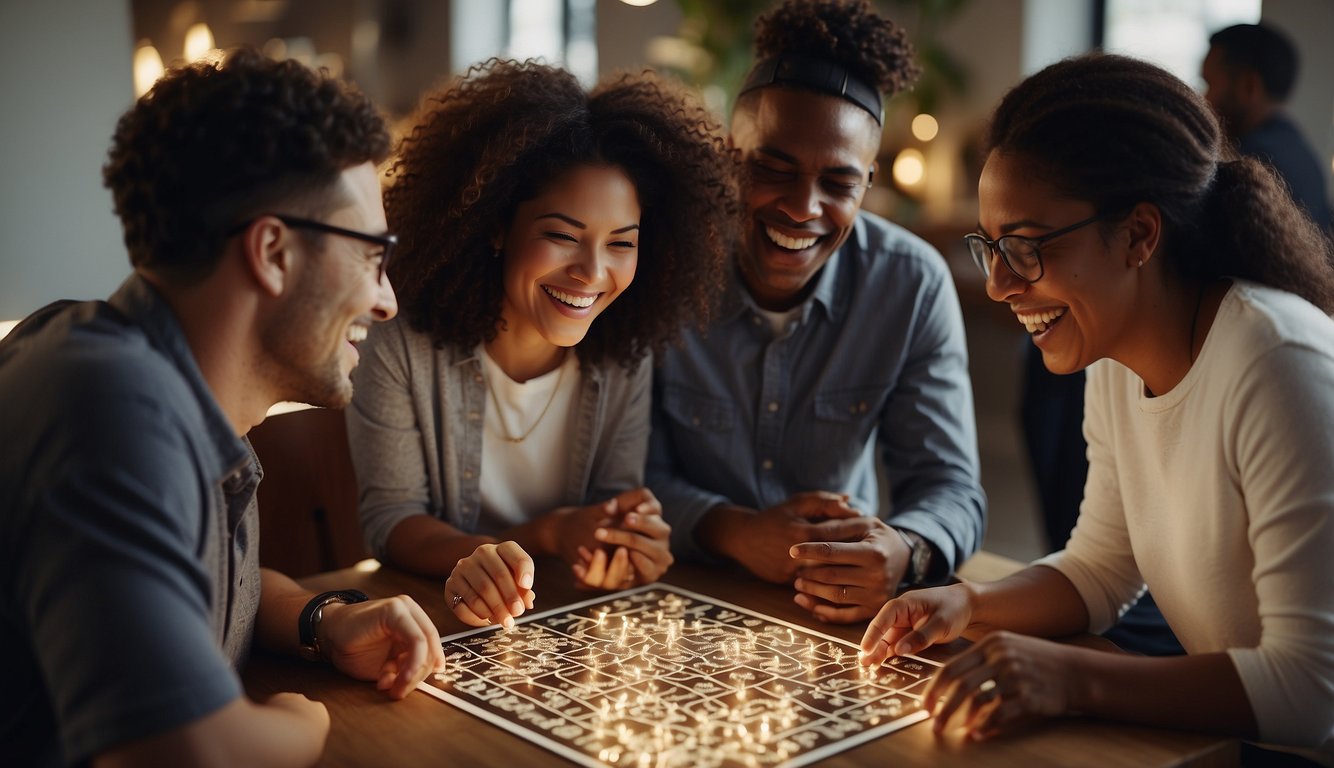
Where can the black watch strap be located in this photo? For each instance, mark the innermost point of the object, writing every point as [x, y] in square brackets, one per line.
[314, 611]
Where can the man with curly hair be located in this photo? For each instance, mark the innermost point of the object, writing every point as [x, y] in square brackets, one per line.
[839, 333]
[129, 536]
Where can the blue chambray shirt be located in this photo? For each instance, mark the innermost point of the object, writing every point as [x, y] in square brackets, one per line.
[877, 357]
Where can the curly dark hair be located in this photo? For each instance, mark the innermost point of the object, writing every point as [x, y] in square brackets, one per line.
[215, 143]
[1116, 131]
[848, 33]
[497, 136]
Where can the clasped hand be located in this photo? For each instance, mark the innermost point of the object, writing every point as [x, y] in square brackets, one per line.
[843, 565]
[613, 545]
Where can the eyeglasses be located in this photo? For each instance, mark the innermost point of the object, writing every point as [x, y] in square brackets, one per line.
[387, 242]
[1022, 255]
[838, 188]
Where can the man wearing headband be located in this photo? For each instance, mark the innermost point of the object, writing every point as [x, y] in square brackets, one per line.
[840, 334]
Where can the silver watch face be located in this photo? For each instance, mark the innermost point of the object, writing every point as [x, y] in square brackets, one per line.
[921, 561]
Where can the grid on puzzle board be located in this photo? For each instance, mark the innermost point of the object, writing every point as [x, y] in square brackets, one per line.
[661, 676]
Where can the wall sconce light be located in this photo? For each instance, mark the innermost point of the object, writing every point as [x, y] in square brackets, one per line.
[925, 127]
[639, 3]
[909, 168]
[147, 68]
[198, 41]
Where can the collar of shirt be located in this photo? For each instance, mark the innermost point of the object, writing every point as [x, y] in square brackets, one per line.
[146, 309]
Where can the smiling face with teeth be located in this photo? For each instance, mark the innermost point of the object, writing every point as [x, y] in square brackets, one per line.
[1079, 311]
[335, 295]
[809, 157]
[569, 252]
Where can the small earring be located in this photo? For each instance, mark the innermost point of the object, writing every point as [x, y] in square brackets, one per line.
[1139, 263]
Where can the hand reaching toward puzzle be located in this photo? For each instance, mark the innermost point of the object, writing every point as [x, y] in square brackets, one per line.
[391, 641]
[851, 571]
[493, 585]
[917, 620]
[1003, 681]
[638, 540]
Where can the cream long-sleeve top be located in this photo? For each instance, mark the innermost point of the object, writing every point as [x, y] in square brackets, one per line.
[1219, 496]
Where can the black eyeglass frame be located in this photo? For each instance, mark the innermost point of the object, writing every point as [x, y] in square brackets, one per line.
[388, 242]
[983, 261]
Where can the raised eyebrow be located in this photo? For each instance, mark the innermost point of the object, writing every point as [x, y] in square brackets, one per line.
[1012, 226]
[839, 170]
[562, 217]
[777, 154]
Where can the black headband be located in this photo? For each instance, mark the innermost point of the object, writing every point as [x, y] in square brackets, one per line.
[818, 75]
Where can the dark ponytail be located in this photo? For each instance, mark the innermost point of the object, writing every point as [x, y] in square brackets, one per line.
[1255, 231]
[1118, 131]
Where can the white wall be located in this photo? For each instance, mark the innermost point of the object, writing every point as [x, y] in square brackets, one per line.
[66, 77]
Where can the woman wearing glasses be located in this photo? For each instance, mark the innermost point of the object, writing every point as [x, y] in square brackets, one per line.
[1128, 239]
[551, 238]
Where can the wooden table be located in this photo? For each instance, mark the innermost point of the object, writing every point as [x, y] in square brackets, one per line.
[369, 729]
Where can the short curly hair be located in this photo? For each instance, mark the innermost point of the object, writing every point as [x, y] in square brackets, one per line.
[848, 33]
[497, 136]
[214, 143]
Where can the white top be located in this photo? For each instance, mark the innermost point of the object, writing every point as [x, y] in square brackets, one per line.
[780, 322]
[521, 481]
[1220, 496]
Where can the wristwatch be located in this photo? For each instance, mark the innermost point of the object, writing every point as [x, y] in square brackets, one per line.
[919, 562]
[312, 614]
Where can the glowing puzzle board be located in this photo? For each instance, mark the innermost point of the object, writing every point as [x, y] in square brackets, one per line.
[659, 676]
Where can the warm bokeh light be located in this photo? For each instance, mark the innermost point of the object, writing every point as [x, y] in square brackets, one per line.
[147, 69]
[909, 168]
[198, 41]
[639, 3]
[925, 127]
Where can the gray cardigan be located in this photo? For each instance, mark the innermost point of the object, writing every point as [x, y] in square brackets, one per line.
[415, 432]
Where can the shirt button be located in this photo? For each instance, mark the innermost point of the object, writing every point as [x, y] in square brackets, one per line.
[767, 464]
[467, 474]
[861, 407]
[773, 407]
[694, 420]
[755, 321]
[852, 409]
[472, 415]
[477, 378]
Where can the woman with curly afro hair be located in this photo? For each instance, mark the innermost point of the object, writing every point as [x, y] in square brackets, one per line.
[551, 239]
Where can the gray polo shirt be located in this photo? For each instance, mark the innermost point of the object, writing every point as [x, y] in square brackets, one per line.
[129, 536]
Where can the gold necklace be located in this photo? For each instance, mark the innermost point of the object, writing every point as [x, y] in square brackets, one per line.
[500, 414]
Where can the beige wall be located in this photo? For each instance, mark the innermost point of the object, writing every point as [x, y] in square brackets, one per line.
[1311, 25]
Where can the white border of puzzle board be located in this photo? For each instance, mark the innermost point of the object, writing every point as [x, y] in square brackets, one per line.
[581, 758]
